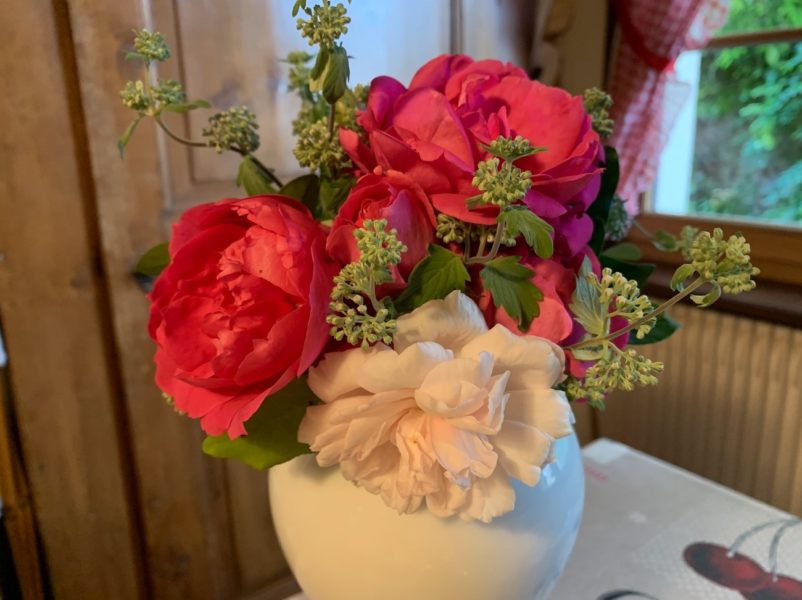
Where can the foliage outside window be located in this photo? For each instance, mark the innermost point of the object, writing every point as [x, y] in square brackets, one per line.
[743, 127]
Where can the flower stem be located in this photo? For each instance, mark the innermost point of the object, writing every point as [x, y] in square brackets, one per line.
[643, 230]
[482, 241]
[370, 292]
[181, 140]
[267, 171]
[332, 114]
[645, 319]
[177, 137]
[496, 241]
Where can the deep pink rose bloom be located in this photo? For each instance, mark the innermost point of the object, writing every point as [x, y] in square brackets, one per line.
[434, 131]
[392, 196]
[240, 311]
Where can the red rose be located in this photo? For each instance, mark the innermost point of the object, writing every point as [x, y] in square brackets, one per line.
[240, 311]
[435, 131]
[392, 196]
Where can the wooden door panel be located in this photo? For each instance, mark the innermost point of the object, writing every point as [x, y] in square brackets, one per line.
[206, 524]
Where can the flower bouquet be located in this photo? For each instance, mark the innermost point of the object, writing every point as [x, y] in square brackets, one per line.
[414, 315]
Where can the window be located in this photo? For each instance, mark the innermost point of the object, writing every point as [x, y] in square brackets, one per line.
[735, 150]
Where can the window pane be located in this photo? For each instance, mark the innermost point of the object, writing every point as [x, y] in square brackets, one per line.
[757, 15]
[746, 139]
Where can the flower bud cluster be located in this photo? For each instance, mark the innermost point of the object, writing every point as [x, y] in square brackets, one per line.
[317, 148]
[625, 297]
[298, 75]
[150, 45]
[352, 319]
[617, 370]
[168, 91]
[451, 230]
[597, 104]
[135, 96]
[500, 186]
[377, 246]
[723, 261]
[619, 220]
[511, 149]
[325, 25]
[234, 128]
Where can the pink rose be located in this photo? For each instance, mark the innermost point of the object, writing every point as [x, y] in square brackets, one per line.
[240, 311]
[434, 131]
[392, 196]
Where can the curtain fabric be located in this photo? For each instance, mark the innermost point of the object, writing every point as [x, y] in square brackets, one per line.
[646, 94]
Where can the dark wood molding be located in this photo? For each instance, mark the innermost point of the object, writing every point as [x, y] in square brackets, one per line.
[755, 37]
[776, 250]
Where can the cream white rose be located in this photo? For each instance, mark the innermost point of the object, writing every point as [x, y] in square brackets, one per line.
[447, 415]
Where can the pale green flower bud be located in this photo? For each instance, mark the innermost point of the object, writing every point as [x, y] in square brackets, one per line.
[151, 45]
[135, 96]
[234, 128]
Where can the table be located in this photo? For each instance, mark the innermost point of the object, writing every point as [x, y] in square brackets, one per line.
[654, 531]
[643, 517]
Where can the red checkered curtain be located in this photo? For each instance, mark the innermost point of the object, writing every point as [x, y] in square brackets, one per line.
[647, 97]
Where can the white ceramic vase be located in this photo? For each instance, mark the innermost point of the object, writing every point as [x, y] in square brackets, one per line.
[343, 543]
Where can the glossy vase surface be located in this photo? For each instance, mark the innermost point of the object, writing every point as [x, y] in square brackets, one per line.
[343, 543]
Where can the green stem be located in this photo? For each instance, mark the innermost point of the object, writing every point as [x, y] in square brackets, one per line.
[645, 319]
[268, 172]
[496, 241]
[177, 137]
[482, 242]
[370, 292]
[643, 230]
[332, 115]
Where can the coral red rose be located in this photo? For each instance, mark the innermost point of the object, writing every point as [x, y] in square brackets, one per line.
[435, 130]
[240, 311]
[394, 197]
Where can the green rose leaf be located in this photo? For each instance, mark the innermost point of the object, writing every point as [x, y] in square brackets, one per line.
[705, 300]
[680, 275]
[299, 5]
[589, 353]
[585, 303]
[519, 220]
[272, 431]
[663, 329]
[126, 136]
[625, 251]
[600, 209]
[665, 241]
[330, 74]
[332, 194]
[510, 284]
[154, 261]
[433, 278]
[305, 189]
[253, 178]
